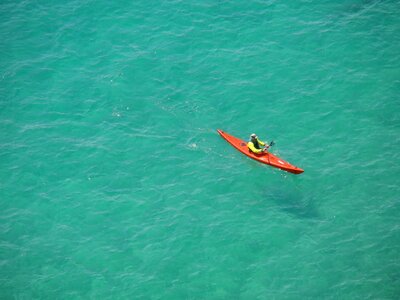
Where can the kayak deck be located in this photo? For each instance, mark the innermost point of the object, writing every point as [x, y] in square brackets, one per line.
[265, 158]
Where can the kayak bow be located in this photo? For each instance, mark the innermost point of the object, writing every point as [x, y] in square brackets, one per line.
[265, 158]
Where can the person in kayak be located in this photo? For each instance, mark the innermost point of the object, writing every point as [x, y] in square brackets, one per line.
[255, 145]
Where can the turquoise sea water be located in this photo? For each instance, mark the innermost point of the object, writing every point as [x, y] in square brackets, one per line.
[115, 185]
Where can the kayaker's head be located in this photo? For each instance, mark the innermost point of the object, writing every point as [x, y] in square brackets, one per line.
[253, 136]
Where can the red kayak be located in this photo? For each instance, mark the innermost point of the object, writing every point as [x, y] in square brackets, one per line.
[265, 158]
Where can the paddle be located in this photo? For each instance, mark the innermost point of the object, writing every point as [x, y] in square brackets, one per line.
[270, 145]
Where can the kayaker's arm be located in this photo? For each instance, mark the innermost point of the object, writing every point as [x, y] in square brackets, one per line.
[254, 149]
[261, 142]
